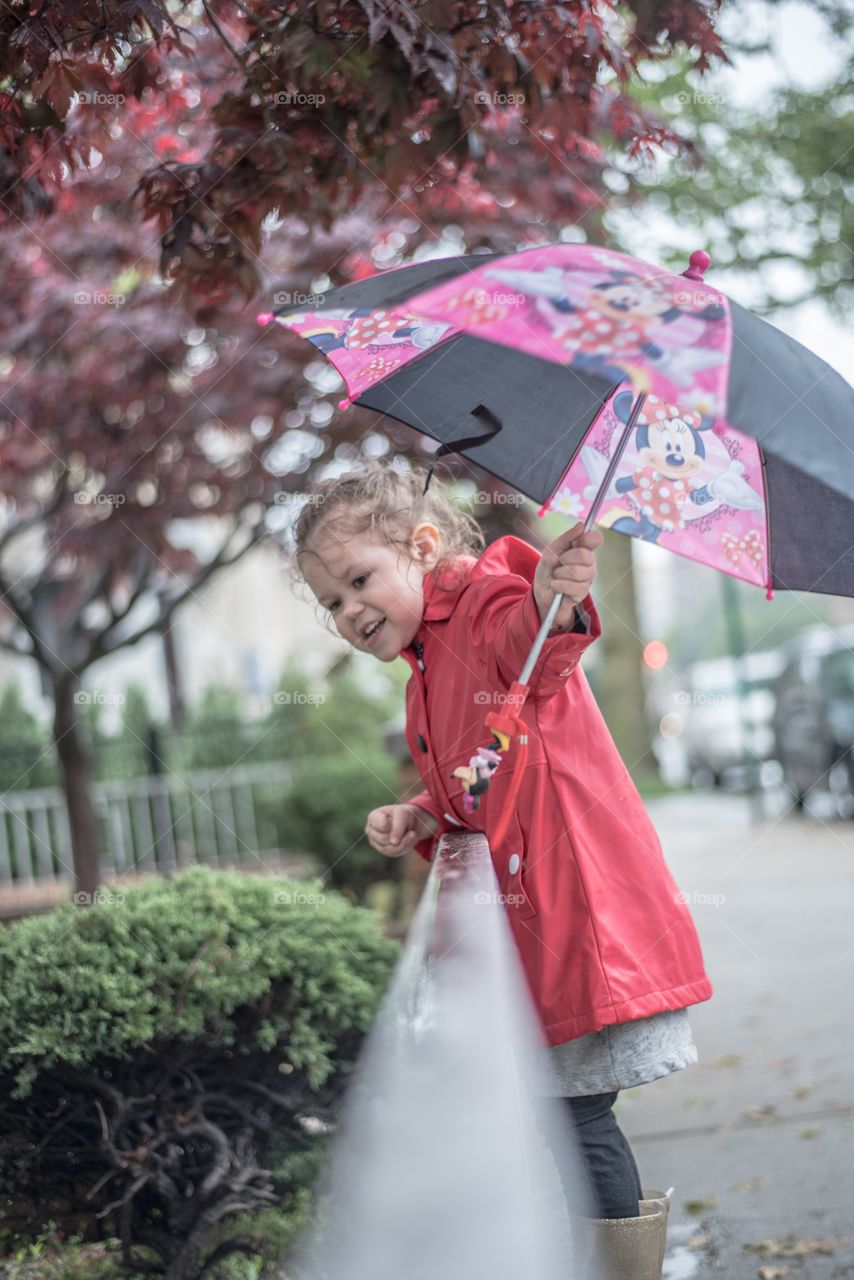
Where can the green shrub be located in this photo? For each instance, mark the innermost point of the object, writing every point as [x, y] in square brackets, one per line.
[26, 757]
[167, 1046]
[52, 1256]
[323, 810]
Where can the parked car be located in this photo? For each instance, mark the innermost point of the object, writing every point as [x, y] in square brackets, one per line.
[814, 718]
[726, 724]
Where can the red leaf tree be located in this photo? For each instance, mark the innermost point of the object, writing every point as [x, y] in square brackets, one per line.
[157, 170]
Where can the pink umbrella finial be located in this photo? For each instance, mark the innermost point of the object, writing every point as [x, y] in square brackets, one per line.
[265, 317]
[700, 262]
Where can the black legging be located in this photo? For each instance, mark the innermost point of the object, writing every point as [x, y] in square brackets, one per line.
[606, 1159]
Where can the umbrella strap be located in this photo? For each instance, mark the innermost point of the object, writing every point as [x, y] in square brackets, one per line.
[489, 419]
[513, 790]
[506, 725]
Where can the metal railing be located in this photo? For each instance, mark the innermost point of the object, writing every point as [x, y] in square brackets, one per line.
[149, 824]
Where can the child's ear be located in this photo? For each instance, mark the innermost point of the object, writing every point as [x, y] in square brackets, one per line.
[426, 543]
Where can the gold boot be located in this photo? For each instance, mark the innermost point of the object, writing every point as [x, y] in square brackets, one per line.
[622, 1248]
[651, 1203]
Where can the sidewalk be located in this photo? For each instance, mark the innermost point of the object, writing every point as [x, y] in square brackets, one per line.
[758, 1139]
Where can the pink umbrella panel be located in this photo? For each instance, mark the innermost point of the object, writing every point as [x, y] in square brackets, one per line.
[687, 480]
[688, 485]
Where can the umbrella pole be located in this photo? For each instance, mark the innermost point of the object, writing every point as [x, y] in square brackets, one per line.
[548, 621]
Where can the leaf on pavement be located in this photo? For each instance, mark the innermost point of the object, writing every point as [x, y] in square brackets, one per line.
[698, 1242]
[767, 1112]
[698, 1206]
[790, 1246]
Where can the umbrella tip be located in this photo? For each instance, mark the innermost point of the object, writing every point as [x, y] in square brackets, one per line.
[699, 263]
[345, 403]
[265, 317]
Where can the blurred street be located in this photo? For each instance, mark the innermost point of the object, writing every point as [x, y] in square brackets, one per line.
[758, 1138]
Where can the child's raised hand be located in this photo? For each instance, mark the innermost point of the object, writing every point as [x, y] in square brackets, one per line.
[567, 567]
[394, 828]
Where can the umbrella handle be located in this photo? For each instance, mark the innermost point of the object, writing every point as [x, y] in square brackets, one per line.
[548, 621]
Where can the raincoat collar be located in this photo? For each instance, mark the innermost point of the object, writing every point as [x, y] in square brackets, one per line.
[506, 555]
[442, 588]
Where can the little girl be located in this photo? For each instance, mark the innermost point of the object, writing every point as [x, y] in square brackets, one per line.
[606, 941]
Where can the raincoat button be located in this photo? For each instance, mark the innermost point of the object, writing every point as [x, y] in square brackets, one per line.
[422, 744]
[513, 864]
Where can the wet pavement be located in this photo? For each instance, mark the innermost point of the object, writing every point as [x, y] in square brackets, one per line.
[758, 1138]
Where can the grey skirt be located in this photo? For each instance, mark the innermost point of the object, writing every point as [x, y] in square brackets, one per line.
[618, 1057]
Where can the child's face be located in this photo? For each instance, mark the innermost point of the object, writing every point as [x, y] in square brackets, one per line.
[361, 580]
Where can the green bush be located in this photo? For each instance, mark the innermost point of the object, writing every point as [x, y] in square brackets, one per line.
[53, 1256]
[194, 1031]
[323, 810]
[26, 755]
[312, 717]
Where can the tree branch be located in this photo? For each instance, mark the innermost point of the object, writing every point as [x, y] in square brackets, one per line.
[27, 621]
[219, 561]
[30, 521]
[142, 558]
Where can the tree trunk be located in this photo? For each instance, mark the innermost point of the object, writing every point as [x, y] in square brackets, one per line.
[621, 680]
[177, 708]
[76, 764]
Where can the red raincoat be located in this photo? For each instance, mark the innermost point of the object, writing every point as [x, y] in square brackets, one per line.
[599, 922]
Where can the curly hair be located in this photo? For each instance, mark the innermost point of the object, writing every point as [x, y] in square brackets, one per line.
[390, 503]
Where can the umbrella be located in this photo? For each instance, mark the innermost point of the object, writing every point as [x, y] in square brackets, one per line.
[615, 391]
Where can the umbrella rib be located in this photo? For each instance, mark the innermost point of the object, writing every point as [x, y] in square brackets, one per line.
[770, 583]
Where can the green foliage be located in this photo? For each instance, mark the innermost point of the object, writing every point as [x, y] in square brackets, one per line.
[217, 734]
[125, 754]
[26, 757]
[179, 960]
[311, 717]
[212, 1014]
[276, 1231]
[323, 813]
[768, 183]
[50, 1256]
[307, 716]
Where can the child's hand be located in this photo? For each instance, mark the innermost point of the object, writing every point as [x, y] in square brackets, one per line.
[567, 567]
[394, 828]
